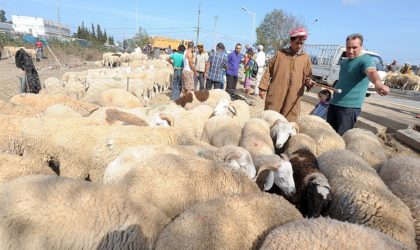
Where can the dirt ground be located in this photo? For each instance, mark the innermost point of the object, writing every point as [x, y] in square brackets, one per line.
[9, 87]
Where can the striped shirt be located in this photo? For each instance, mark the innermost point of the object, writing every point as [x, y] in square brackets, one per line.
[217, 62]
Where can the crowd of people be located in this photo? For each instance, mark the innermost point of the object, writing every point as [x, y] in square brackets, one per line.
[283, 81]
[202, 70]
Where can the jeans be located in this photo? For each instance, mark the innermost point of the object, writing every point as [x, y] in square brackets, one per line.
[211, 83]
[176, 84]
[199, 79]
[341, 118]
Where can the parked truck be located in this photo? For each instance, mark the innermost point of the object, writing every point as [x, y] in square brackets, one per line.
[164, 42]
[326, 61]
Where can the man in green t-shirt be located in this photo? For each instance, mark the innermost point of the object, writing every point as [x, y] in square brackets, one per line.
[355, 73]
[177, 61]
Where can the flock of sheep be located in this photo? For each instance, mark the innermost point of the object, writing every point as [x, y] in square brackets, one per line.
[10, 51]
[403, 81]
[89, 164]
[96, 172]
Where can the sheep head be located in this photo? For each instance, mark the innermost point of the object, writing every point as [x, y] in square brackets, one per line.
[281, 131]
[276, 171]
[318, 196]
[162, 120]
[239, 158]
[225, 107]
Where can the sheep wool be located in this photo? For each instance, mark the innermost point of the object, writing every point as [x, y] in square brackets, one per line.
[256, 137]
[361, 197]
[173, 183]
[237, 222]
[300, 141]
[119, 98]
[326, 233]
[49, 212]
[14, 166]
[324, 135]
[402, 176]
[196, 98]
[365, 144]
[222, 130]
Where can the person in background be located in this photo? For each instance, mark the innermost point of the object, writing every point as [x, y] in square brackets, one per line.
[214, 68]
[188, 72]
[39, 49]
[283, 83]
[321, 109]
[261, 63]
[355, 73]
[168, 50]
[248, 72]
[30, 82]
[406, 69]
[148, 50]
[394, 67]
[200, 65]
[234, 59]
[177, 61]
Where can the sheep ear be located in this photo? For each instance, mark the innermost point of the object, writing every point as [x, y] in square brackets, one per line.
[265, 177]
[275, 123]
[295, 126]
[168, 118]
[284, 156]
[233, 109]
[232, 156]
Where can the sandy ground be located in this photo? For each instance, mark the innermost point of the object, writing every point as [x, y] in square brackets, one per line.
[9, 81]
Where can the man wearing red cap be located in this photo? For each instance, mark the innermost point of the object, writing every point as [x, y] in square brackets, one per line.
[283, 83]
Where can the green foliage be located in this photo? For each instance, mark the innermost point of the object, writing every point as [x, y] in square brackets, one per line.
[139, 40]
[3, 16]
[96, 36]
[274, 30]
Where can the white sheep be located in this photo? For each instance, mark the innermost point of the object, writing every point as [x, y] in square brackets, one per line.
[326, 233]
[60, 110]
[300, 141]
[13, 166]
[237, 222]
[275, 174]
[222, 130]
[173, 183]
[324, 135]
[7, 108]
[41, 102]
[280, 129]
[402, 176]
[256, 137]
[48, 212]
[361, 197]
[209, 97]
[119, 98]
[235, 157]
[365, 144]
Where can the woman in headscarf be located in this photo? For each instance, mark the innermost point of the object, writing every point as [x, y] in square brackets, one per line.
[283, 83]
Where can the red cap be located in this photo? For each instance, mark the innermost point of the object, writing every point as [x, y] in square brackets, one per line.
[299, 32]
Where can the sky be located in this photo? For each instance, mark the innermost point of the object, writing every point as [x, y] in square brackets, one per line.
[390, 28]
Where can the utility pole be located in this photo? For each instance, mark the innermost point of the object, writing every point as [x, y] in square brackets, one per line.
[59, 19]
[137, 18]
[214, 33]
[198, 24]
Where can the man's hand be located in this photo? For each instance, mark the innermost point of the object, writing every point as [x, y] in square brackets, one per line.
[309, 83]
[382, 89]
[262, 94]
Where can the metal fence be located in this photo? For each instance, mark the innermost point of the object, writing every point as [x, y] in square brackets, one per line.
[322, 55]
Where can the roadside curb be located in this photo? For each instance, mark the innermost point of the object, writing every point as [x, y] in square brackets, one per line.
[409, 137]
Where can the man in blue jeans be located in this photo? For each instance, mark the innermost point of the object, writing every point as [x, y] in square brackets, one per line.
[234, 59]
[177, 61]
[355, 73]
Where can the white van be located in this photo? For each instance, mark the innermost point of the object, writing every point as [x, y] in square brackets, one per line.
[326, 61]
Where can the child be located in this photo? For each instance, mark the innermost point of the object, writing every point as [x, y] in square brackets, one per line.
[321, 109]
[248, 72]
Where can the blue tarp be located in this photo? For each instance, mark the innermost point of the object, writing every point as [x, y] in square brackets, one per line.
[32, 39]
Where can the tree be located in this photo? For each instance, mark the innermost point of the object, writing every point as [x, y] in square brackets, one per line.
[99, 33]
[139, 40]
[3, 16]
[273, 32]
[93, 30]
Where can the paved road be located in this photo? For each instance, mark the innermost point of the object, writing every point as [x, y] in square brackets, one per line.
[411, 102]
